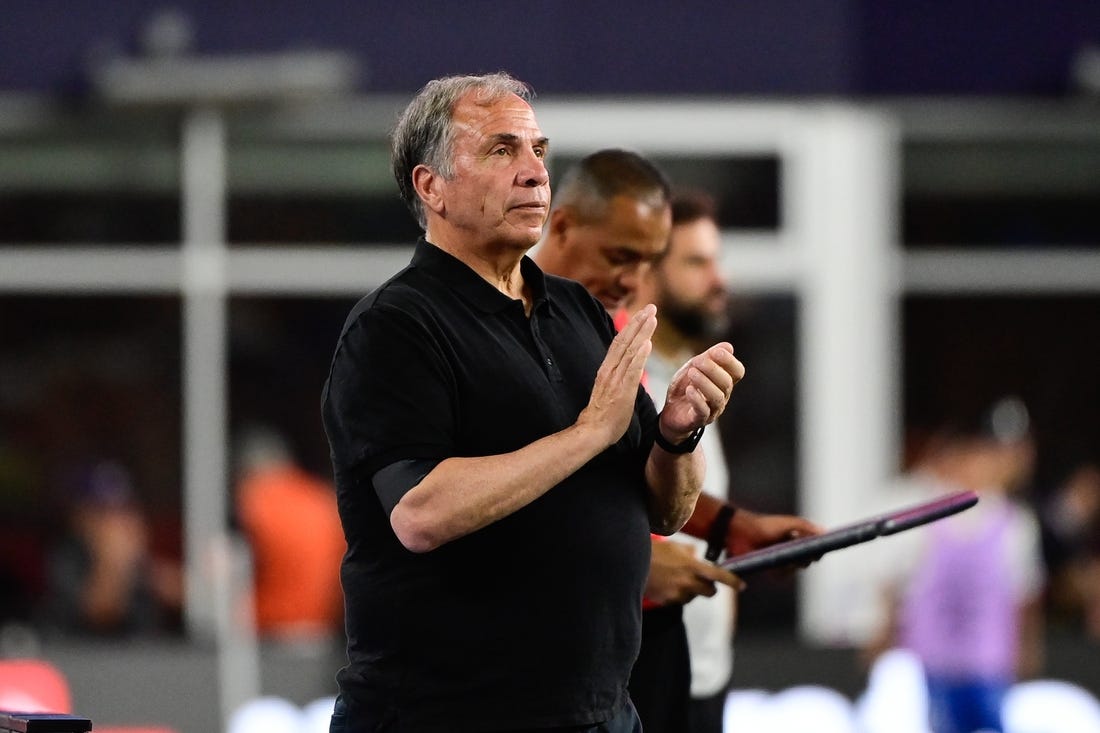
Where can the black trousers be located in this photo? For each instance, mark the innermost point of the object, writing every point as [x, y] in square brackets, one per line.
[660, 684]
[708, 713]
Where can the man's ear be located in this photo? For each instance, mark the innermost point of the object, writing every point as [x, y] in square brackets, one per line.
[428, 186]
[562, 219]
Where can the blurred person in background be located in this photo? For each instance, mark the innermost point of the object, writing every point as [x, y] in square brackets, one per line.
[609, 228]
[964, 594]
[1070, 520]
[22, 575]
[103, 578]
[290, 520]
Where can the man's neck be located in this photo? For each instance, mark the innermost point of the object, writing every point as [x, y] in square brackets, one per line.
[498, 266]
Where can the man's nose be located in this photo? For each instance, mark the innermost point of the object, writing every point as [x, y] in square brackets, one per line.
[715, 279]
[533, 173]
[628, 278]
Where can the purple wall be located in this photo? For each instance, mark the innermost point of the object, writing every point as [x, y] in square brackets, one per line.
[966, 48]
[778, 47]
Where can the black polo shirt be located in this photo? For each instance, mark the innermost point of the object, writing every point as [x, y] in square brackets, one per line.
[534, 620]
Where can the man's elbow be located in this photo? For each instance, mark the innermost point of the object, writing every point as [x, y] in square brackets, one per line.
[669, 522]
[413, 531]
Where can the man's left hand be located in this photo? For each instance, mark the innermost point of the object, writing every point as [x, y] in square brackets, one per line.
[699, 391]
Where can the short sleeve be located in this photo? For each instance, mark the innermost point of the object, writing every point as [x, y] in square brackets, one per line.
[389, 395]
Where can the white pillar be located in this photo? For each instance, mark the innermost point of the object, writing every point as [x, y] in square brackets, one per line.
[214, 560]
[204, 360]
[844, 215]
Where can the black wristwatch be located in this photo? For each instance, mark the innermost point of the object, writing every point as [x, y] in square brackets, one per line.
[686, 446]
[719, 532]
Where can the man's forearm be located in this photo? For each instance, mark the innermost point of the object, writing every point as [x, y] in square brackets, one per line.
[463, 495]
[701, 521]
[675, 481]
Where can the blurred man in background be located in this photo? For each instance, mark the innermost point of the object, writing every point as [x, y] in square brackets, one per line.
[964, 595]
[104, 579]
[1070, 520]
[290, 520]
[610, 223]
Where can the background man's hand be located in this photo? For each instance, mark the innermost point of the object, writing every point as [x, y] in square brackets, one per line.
[676, 574]
[751, 531]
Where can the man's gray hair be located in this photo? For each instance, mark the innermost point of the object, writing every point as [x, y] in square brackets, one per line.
[424, 133]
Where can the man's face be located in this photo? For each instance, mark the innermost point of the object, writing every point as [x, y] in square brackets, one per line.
[607, 253]
[690, 289]
[500, 191]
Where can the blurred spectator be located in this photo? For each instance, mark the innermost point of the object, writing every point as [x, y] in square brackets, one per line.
[1071, 547]
[964, 592]
[103, 578]
[290, 520]
[21, 551]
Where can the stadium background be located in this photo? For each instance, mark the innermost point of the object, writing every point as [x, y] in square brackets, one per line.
[972, 134]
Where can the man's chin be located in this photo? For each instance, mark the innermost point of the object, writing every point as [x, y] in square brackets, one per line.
[525, 239]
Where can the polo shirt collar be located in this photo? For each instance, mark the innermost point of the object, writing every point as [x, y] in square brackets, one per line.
[469, 284]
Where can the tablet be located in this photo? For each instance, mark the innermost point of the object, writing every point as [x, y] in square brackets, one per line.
[807, 549]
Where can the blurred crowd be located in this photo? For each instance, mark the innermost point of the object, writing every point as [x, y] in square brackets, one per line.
[92, 565]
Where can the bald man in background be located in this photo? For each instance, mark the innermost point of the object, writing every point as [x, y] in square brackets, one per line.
[610, 222]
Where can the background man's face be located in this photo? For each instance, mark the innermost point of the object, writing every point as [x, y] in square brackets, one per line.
[606, 254]
[690, 289]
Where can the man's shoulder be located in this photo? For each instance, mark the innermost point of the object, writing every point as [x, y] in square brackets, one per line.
[406, 291]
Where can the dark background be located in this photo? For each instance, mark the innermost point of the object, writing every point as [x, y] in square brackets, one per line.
[744, 47]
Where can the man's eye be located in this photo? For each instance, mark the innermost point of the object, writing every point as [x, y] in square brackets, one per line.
[622, 258]
[500, 151]
[540, 152]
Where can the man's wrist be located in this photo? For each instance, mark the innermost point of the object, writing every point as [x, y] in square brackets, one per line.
[684, 446]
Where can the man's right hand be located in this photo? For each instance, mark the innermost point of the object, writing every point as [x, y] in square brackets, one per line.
[676, 574]
[616, 388]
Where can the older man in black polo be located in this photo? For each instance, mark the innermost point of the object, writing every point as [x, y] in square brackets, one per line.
[498, 467]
